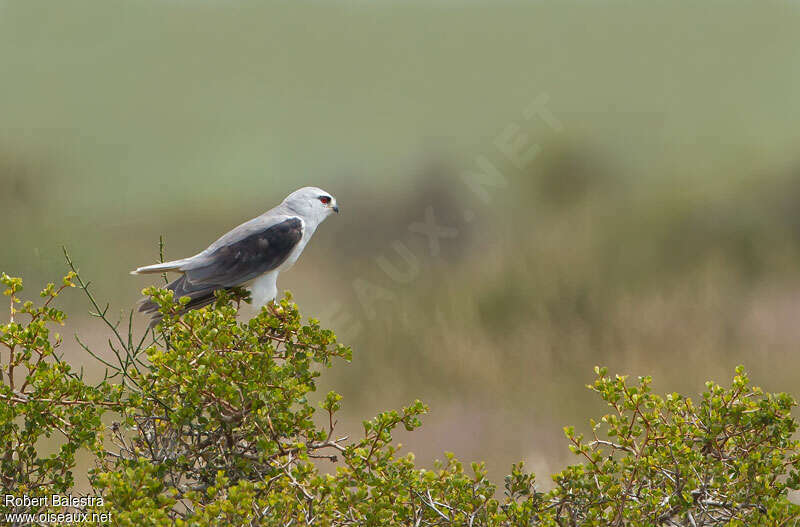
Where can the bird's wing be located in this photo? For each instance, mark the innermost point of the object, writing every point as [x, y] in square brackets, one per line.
[257, 225]
[244, 253]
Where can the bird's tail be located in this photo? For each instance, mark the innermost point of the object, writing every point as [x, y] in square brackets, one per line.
[199, 297]
[174, 265]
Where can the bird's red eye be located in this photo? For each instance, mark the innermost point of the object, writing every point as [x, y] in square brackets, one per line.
[325, 199]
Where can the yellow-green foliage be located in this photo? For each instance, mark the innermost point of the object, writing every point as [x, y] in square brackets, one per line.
[211, 425]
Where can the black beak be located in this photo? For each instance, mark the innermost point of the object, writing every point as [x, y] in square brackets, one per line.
[336, 209]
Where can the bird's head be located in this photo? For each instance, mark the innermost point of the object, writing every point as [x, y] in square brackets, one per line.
[312, 203]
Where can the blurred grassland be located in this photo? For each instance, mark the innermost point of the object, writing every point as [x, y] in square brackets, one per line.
[656, 234]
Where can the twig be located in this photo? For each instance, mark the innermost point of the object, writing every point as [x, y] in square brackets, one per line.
[23, 398]
[161, 256]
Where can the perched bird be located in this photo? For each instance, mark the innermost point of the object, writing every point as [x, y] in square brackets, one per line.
[250, 256]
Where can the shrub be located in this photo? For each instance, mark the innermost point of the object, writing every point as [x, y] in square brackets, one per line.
[209, 423]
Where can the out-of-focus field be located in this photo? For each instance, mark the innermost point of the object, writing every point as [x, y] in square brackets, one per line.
[656, 232]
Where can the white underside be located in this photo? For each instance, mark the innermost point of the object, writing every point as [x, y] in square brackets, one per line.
[264, 288]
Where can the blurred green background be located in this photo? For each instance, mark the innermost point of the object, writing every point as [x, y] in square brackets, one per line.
[656, 232]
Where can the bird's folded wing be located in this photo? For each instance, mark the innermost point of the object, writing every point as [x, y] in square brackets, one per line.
[244, 253]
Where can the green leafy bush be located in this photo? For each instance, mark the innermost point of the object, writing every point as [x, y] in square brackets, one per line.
[208, 422]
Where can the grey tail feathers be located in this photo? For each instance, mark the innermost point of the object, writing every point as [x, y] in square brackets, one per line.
[200, 297]
[174, 265]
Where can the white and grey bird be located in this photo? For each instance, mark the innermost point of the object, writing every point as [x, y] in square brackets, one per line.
[251, 255]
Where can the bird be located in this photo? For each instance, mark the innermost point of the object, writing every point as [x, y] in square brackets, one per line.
[250, 256]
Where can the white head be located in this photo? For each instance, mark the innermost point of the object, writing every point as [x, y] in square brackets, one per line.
[312, 203]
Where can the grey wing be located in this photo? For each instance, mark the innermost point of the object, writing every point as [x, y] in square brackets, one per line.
[233, 262]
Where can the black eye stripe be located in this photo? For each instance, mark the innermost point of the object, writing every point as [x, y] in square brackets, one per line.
[325, 199]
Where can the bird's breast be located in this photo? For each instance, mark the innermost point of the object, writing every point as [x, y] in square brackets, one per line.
[295, 254]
